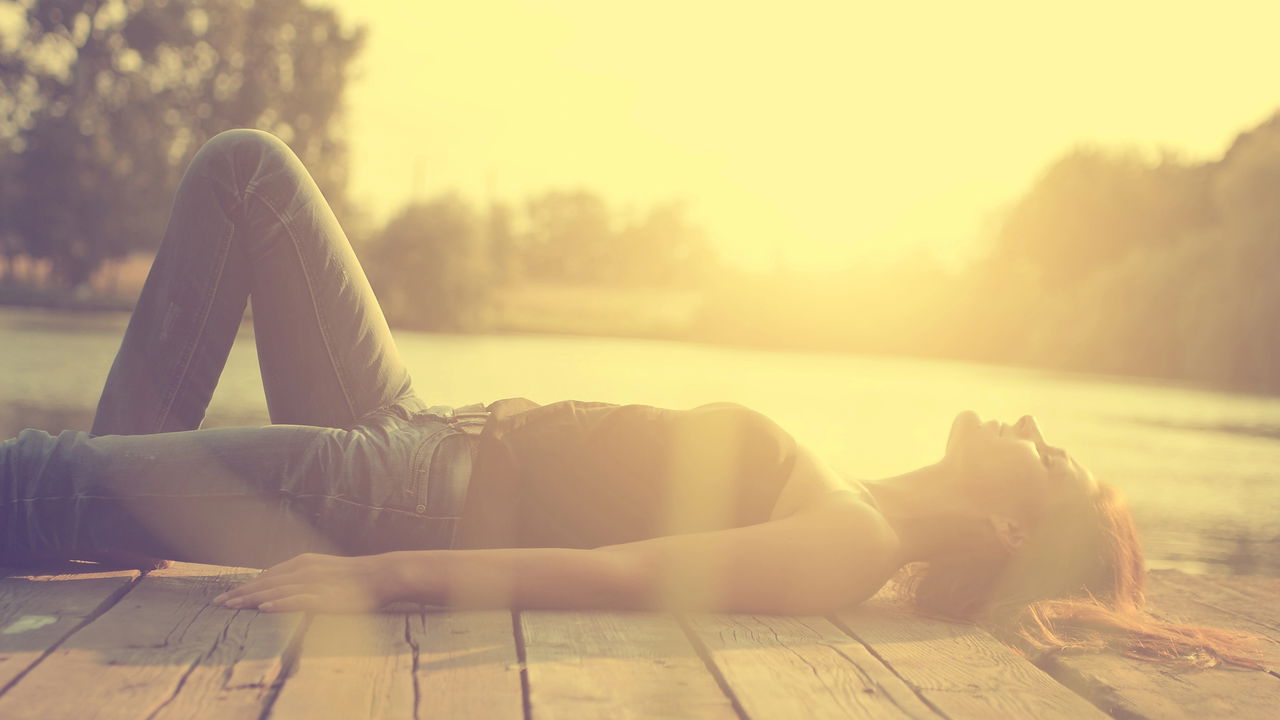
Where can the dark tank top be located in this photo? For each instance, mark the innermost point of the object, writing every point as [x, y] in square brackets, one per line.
[585, 474]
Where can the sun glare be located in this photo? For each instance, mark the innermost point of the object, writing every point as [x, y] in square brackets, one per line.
[806, 135]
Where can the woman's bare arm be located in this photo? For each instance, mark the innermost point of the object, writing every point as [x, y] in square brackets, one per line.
[834, 554]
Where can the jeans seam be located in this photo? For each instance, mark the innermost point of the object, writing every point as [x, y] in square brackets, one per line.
[291, 495]
[233, 188]
[251, 189]
[420, 478]
[189, 350]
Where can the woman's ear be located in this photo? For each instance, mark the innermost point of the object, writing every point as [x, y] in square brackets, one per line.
[1010, 533]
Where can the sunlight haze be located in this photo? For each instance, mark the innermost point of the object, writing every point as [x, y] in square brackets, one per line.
[815, 134]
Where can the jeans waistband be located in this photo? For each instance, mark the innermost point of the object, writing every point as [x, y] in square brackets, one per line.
[449, 411]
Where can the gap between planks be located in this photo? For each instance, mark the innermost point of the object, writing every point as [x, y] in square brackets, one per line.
[163, 651]
[130, 578]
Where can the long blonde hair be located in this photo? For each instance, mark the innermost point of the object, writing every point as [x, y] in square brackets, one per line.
[1078, 583]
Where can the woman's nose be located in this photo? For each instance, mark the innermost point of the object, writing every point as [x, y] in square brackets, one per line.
[1028, 425]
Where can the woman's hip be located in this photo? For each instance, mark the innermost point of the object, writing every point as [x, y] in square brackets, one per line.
[245, 496]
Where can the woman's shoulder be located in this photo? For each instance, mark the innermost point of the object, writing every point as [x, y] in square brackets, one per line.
[813, 482]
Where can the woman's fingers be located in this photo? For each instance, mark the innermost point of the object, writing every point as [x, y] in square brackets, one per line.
[294, 603]
[314, 582]
[308, 566]
[255, 599]
[261, 583]
[311, 597]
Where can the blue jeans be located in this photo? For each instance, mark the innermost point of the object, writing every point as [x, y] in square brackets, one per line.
[354, 462]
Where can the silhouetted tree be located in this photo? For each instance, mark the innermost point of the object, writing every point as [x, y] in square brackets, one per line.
[1092, 207]
[664, 248]
[504, 252]
[568, 238]
[574, 237]
[106, 100]
[10, 240]
[430, 267]
[1118, 264]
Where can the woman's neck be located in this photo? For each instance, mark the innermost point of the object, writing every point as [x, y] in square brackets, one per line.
[928, 518]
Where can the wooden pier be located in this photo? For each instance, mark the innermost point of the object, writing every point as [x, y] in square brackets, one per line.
[125, 644]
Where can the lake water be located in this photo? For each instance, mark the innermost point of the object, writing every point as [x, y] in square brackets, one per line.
[1201, 468]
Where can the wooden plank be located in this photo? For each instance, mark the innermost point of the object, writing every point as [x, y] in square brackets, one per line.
[1265, 589]
[961, 670]
[467, 661]
[1253, 599]
[1130, 688]
[793, 667]
[405, 664]
[1196, 599]
[623, 665]
[38, 611]
[1136, 690]
[352, 666]
[162, 651]
[246, 657]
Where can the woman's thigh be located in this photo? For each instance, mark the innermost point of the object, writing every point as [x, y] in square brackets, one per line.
[248, 221]
[326, 352]
[235, 496]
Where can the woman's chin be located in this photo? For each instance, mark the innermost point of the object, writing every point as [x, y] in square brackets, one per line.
[966, 422]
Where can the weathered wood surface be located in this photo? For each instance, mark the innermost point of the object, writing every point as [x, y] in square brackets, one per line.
[38, 611]
[351, 665]
[145, 652]
[802, 667]
[127, 645]
[632, 665]
[406, 664]
[1128, 688]
[467, 661]
[961, 670]
[1252, 607]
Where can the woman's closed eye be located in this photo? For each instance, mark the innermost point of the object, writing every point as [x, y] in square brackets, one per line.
[1048, 455]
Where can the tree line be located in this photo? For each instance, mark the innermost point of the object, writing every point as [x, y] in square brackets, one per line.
[436, 263]
[1112, 261]
[1120, 263]
[102, 102]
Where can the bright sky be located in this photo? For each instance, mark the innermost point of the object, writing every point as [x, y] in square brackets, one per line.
[824, 132]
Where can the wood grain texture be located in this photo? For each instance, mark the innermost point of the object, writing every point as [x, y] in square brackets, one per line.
[111, 645]
[1180, 597]
[405, 664]
[467, 665]
[162, 651]
[1256, 599]
[1131, 688]
[802, 667]
[351, 666]
[616, 665]
[960, 669]
[39, 611]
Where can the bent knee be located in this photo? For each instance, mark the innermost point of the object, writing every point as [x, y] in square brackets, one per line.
[250, 138]
[241, 145]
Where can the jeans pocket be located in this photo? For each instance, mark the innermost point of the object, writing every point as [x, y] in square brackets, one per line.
[447, 476]
[441, 470]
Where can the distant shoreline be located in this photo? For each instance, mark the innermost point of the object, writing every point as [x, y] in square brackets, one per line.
[98, 307]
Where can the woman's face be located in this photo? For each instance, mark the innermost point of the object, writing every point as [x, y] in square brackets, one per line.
[1012, 469]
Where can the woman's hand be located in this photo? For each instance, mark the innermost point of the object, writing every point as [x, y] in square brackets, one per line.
[320, 583]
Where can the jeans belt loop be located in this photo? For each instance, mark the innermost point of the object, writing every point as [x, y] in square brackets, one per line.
[442, 411]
